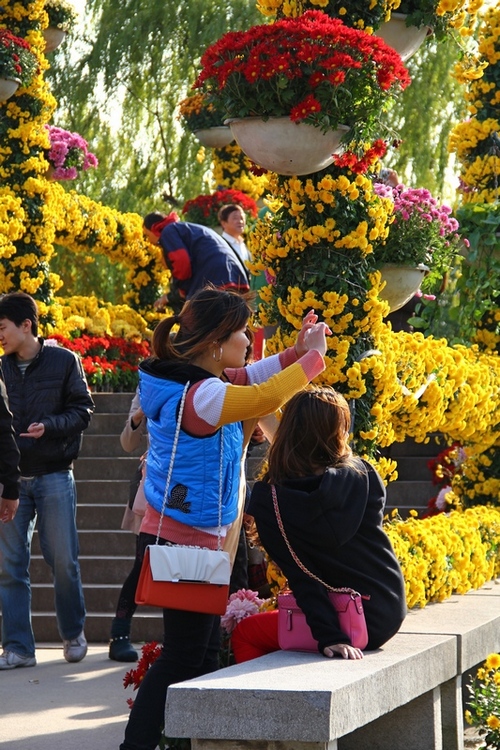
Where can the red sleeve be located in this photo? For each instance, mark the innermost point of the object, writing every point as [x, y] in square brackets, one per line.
[180, 263]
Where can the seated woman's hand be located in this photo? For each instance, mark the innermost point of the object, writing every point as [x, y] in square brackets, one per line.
[345, 650]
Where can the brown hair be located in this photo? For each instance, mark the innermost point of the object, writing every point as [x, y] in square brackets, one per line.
[210, 316]
[226, 210]
[313, 434]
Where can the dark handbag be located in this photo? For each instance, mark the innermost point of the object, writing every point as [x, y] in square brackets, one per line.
[175, 576]
[294, 634]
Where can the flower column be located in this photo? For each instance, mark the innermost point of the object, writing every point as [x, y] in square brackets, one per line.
[25, 194]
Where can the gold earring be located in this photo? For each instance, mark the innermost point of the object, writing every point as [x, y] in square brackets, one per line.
[220, 354]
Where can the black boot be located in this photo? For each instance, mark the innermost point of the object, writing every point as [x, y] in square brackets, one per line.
[120, 648]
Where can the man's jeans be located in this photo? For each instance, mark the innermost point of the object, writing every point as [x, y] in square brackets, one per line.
[49, 499]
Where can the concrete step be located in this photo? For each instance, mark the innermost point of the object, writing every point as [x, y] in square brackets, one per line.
[118, 467]
[103, 491]
[112, 402]
[107, 445]
[145, 627]
[411, 448]
[409, 495]
[98, 598]
[98, 542]
[94, 568]
[106, 423]
[102, 516]
[413, 468]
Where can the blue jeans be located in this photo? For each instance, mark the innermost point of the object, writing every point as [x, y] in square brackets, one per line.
[50, 500]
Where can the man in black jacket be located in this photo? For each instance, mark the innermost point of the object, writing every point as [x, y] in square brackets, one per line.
[9, 460]
[51, 406]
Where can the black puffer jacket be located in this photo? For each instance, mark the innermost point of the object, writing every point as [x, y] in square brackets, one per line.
[53, 391]
[334, 525]
[9, 453]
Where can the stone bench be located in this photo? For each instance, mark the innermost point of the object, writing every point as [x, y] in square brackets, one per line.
[406, 695]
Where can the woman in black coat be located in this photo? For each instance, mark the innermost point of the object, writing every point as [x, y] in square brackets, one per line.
[332, 505]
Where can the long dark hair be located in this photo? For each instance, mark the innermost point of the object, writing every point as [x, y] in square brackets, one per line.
[312, 435]
[208, 318]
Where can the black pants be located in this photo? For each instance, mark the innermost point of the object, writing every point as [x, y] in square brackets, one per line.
[126, 601]
[191, 644]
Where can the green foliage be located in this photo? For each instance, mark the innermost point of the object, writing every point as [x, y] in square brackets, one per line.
[473, 288]
[484, 703]
[119, 82]
[424, 117]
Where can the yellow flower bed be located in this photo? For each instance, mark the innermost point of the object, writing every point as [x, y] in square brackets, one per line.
[447, 553]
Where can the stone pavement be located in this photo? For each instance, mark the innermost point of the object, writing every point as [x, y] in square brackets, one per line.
[61, 706]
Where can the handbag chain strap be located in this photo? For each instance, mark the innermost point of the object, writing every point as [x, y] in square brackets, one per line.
[171, 468]
[300, 564]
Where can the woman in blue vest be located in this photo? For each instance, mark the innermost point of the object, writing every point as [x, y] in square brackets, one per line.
[206, 347]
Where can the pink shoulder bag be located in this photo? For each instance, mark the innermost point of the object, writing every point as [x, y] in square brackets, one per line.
[294, 634]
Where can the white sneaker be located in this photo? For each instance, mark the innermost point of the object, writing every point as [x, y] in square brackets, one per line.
[11, 660]
[75, 649]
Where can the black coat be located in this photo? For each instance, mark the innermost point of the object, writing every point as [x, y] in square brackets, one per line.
[9, 453]
[334, 525]
[53, 391]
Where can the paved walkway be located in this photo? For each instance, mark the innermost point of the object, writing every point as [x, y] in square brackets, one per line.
[61, 706]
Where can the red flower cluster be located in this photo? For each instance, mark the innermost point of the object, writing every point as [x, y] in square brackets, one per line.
[350, 160]
[149, 654]
[204, 208]
[109, 362]
[306, 68]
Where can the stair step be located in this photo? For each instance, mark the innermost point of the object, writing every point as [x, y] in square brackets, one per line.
[99, 516]
[113, 402]
[94, 568]
[107, 423]
[109, 446]
[119, 467]
[145, 627]
[413, 468]
[99, 597]
[103, 491]
[99, 542]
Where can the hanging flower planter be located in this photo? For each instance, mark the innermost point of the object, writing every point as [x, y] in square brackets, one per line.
[406, 40]
[54, 37]
[8, 87]
[401, 283]
[215, 137]
[312, 70]
[286, 147]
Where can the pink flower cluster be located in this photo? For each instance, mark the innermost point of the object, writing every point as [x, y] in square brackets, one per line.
[68, 153]
[241, 604]
[410, 201]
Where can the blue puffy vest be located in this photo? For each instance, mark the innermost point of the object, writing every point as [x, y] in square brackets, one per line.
[193, 497]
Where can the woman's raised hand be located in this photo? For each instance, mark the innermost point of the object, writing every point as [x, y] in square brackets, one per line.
[312, 335]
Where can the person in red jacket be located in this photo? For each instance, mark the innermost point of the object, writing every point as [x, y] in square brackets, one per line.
[195, 255]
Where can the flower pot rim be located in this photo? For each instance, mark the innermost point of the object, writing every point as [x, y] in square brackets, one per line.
[10, 78]
[266, 118]
[411, 266]
[212, 127]
[405, 15]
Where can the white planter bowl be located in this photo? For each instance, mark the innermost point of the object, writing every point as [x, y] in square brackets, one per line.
[217, 137]
[286, 147]
[401, 283]
[404, 39]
